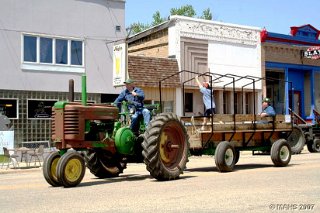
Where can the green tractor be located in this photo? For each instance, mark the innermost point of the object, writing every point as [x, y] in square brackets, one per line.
[98, 136]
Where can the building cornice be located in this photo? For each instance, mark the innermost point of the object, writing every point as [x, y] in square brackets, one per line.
[206, 29]
[216, 31]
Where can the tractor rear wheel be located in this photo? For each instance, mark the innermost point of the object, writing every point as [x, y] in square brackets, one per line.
[103, 165]
[280, 153]
[50, 168]
[71, 169]
[165, 147]
[296, 140]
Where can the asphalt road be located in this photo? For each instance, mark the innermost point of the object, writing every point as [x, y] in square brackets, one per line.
[254, 186]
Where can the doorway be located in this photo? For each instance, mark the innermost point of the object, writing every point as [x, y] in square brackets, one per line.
[296, 101]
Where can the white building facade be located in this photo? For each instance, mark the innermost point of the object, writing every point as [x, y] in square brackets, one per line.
[202, 45]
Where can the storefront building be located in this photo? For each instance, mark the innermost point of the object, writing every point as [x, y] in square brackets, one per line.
[298, 74]
[204, 46]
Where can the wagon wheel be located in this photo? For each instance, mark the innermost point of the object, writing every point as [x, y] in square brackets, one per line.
[280, 153]
[165, 147]
[225, 156]
[309, 141]
[237, 156]
[314, 146]
[103, 165]
[296, 140]
[70, 169]
[50, 167]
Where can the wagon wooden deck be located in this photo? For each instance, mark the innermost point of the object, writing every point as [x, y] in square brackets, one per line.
[242, 130]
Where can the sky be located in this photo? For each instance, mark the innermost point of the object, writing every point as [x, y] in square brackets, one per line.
[275, 15]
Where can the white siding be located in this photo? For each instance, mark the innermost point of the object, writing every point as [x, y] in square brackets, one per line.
[236, 59]
[92, 21]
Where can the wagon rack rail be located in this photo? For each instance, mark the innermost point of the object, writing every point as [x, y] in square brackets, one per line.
[231, 133]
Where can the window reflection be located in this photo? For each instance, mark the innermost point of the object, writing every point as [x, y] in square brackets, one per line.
[46, 50]
[30, 48]
[61, 51]
[76, 52]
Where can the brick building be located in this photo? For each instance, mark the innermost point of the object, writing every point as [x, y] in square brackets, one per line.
[148, 71]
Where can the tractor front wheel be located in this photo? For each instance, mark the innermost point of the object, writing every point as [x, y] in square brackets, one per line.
[70, 169]
[50, 168]
[165, 147]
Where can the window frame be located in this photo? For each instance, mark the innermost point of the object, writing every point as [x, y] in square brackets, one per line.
[54, 66]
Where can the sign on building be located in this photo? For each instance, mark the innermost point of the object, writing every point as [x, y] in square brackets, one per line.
[119, 64]
[6, 133]
[312, 53]
[6, 140]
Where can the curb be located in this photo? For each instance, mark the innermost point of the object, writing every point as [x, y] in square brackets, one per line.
[20, 170]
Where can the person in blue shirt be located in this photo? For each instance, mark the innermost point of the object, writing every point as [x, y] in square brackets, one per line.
[267, 109]
[208, 100]
[135, 97]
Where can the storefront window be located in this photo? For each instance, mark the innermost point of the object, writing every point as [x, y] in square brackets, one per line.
[9, 108]
[40, 109]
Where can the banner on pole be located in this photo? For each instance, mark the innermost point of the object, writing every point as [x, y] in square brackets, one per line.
[119, 64]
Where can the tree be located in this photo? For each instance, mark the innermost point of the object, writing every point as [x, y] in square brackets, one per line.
[137, 28]
[186, 10]
[206, 14]
[157, 19]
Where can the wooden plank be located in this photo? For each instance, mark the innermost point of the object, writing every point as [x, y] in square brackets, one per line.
[247, 117]
[239, 138]
[223, 117]
[218, 118]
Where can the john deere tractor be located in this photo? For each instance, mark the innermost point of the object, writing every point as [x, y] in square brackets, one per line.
[98, 136]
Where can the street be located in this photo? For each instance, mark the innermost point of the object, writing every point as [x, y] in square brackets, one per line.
[254, 186]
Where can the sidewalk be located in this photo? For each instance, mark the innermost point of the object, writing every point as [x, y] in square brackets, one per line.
[23, 167]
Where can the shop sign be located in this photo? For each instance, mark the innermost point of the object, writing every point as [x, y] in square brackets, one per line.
[312, 53]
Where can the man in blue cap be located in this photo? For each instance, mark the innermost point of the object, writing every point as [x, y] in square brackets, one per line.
[135, 97]
[267, 109]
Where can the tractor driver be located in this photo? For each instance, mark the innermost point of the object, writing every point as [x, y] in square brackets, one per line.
[135, 97]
